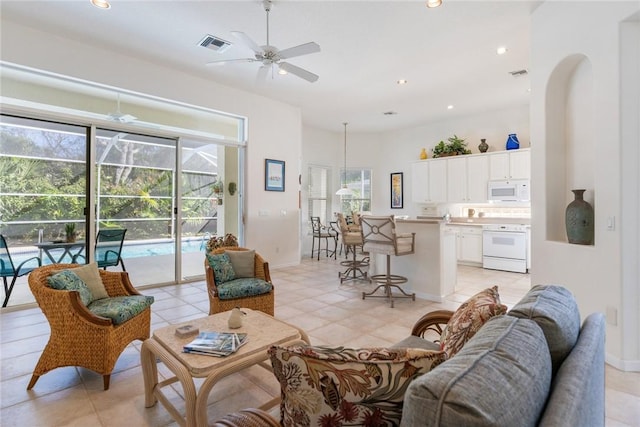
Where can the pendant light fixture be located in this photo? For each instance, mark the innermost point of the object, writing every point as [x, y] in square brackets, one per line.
[344, 191]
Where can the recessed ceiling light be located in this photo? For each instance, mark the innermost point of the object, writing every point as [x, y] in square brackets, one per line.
[501, 50]
[434, 3]
[282, 72]
[449, 107]
[102, 4]
[402, 82]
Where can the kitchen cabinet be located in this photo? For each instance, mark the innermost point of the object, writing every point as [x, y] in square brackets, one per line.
[512, 164]
[429, 181]
[468, 244]
[467, 178]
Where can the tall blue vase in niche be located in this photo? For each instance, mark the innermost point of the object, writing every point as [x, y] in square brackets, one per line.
[512, 142]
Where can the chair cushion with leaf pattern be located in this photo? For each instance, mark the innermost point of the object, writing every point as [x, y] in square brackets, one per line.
[67, 280]
[323, 386]
[245, 287]
[120, 309]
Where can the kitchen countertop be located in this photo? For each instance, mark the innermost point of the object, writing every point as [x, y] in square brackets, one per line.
[475, 221]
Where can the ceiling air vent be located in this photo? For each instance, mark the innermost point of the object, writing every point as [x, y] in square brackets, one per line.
[214, 43]
[519, 73]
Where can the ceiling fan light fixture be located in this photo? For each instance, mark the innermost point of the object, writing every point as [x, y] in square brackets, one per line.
[101, 4]
[433, 3]
[282, 72]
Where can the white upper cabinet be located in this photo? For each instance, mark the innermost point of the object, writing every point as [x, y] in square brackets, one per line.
[467, 178]
[419, 180]
[512, 164]
[477, 177]
[429, 181]
[438, 180]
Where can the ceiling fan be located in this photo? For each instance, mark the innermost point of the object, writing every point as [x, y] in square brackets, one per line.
[119, 116]
[271, 57]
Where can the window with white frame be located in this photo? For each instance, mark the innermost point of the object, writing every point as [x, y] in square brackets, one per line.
[359, 182]
[320, 193]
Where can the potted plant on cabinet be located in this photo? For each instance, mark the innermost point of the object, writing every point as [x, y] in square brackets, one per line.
[453, 147]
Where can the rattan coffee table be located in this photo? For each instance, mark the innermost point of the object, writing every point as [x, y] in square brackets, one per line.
[263, 331]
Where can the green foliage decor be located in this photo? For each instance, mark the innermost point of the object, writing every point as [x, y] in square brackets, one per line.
[453, 147]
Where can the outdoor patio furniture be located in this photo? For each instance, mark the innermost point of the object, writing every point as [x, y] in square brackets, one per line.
[8, 268]
[109, 248]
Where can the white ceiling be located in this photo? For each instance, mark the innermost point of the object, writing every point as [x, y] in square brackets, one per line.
[447, 54]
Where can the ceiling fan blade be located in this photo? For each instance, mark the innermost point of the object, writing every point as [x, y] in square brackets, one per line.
[226, 61]
[303, 49]
[297, 71]
[248, 41]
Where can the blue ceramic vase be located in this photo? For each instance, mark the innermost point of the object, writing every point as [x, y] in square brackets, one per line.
[512, 142]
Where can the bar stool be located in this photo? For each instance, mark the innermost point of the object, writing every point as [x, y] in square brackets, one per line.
[379, 236]
[320, 232]
[351, 239]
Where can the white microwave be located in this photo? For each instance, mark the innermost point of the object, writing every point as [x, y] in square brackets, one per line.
[513, 190]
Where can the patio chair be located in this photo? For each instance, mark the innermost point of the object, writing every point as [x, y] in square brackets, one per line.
[79, 337]
[109, 248]
[256, 296]
[8, 268]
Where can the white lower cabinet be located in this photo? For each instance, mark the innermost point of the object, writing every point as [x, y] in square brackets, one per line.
[468, 244]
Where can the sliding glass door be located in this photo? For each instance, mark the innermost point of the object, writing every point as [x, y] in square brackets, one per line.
[170, 195]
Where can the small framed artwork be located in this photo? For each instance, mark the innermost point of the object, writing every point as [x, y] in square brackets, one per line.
[396, 191]
[273, 175]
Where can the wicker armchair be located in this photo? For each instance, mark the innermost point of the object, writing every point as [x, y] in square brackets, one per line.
[264, 302]
[78, 337]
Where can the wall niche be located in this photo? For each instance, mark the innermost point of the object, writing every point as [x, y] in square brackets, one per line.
[570, 140]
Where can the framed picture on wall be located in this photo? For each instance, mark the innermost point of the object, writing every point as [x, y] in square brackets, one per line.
[396, 191]
[273, 175]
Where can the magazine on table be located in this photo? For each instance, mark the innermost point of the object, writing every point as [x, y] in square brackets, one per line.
[216, 343]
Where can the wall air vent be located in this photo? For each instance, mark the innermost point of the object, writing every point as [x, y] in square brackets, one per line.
[214, 43]
[519, 73]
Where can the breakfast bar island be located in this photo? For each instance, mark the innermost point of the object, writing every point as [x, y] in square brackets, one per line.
[432, 269]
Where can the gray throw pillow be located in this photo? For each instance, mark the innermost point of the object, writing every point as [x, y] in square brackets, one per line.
[501, 377]
[243, 262]
[555, 310]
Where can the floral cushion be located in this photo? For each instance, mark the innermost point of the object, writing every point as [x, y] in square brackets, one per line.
[246, 287]
[67, 280]
[323, 386]
[222, 267]
[120, 309]
[469, 318]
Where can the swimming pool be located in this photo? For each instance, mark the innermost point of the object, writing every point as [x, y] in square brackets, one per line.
[167, 247]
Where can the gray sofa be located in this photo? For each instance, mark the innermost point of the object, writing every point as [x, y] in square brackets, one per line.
[535, 366]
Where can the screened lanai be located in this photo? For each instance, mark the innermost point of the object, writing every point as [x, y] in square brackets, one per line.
[167, 185]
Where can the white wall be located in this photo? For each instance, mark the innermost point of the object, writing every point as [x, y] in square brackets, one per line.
[593, 273]
[275, 129]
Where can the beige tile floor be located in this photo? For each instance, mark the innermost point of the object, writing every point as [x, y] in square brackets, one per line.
[308, 295]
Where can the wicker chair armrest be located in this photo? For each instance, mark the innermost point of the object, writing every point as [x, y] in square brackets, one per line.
[61, 301]
[247, 418]
[84, 313]
[117, 283]
[434, 321]
[210, 278]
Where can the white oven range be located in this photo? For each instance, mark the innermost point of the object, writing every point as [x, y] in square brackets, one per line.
[504, 247]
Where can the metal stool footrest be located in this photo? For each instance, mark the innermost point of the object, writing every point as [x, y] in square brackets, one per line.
[354, 270]
[387, 282]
